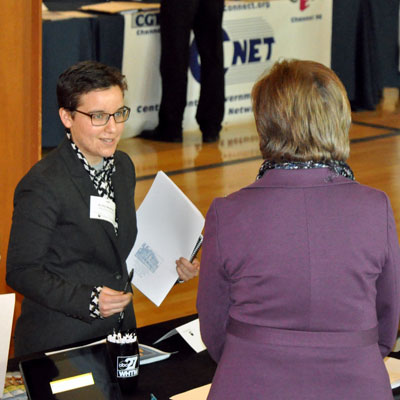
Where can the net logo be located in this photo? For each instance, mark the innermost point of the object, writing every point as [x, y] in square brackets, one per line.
[245, 58]
[303, 4]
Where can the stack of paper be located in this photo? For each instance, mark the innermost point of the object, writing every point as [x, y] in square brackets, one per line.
[169, 226]
[150, 354]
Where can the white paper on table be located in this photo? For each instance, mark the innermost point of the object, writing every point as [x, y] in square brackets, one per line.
[7, 303]
[190, 332]
[169, 225]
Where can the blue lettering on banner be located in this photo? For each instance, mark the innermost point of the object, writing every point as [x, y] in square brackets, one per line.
[238, 97]
[239, 110]
[245, 52]
[141, 109]
[249, 50]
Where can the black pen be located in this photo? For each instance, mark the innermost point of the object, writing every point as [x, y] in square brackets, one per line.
[128, 282]
[194, 253]
[127, 286]
[196, 248]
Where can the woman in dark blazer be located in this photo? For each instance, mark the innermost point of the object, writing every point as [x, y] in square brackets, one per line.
[299, 285]
[74, 220]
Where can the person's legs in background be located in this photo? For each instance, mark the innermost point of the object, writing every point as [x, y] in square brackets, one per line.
[176, 21]
[209, 38]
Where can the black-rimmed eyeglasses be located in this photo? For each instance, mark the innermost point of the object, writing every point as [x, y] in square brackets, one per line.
[102, 118]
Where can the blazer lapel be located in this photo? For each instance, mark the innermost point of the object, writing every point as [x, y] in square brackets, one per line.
[85, 187]
[121, 205]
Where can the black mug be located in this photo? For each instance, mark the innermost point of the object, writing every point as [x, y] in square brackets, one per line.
[123, 349]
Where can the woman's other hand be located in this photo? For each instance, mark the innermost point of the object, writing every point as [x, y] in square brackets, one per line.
[186, 269]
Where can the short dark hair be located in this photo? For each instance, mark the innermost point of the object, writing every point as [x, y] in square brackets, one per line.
[82, 78]
[302, 113]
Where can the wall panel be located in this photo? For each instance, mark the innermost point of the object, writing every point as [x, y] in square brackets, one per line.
[20, 106]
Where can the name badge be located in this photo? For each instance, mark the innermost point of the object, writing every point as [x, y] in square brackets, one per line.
[102, 208]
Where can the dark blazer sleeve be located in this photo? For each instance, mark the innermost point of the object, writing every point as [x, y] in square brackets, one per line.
[387, 287]
[213, 291]
[30, 270]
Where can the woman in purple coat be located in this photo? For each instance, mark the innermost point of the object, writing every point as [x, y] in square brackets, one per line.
[299, 284]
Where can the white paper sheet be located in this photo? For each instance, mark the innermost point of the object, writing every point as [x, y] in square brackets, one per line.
[169, 225]
[7, 303]
[190, 332]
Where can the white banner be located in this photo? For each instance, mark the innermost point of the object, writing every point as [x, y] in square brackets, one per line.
[256, 34]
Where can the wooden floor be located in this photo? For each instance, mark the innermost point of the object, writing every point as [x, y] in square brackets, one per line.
[205, 171]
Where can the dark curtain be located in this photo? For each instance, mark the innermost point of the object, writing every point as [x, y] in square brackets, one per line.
[365, 48]
[65, 43]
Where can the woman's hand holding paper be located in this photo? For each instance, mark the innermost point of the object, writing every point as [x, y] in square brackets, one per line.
[186, 269]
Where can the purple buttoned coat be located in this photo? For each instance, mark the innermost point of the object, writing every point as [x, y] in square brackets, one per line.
[298, 295]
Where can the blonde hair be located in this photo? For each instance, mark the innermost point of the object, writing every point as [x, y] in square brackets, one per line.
[302, 113]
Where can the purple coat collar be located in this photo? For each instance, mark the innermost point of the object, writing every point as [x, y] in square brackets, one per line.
[299, 178]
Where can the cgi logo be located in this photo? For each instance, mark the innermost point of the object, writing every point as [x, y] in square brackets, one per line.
[251, 53]
[143, 20]
[303, 4]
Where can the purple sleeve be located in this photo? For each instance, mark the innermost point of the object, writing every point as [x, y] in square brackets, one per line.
[213, 291]
[387, 287]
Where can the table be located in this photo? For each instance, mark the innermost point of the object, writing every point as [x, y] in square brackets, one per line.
[182, 371]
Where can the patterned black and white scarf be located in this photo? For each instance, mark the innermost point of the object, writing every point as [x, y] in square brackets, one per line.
[101, 179]
[338, 167]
